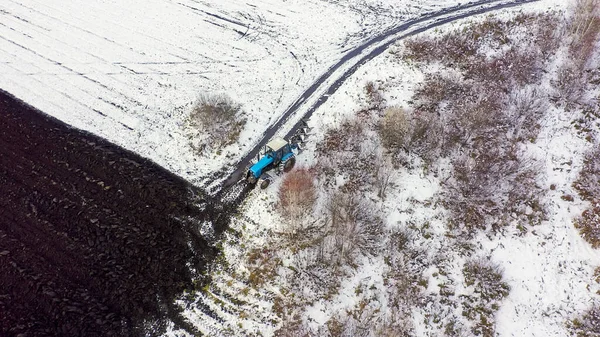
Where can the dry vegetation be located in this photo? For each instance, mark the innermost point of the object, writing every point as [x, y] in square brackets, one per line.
[214, 122]
[488, 291]
[588, 325]
[478, 111]
[489, 107]
[588, 187]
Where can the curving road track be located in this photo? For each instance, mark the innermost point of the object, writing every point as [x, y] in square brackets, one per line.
[330, 81]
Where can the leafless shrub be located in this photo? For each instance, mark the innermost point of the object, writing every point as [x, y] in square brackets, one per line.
[570, 83]
[587, 183]
[489, 183]
[588, 187]
[348, 151]
[471, 123]
[437, 89]
[216, 118]
[342, 138]
[426, 135]
[415, 132]
[589, 224]
[456, 47]
[399, 240]
[489, 289]
[546, 31]
[584, 29]
[524, 199]
[374, 97]
[401, 282]
[588, 325]
[383, 174]
[526, 107]
[420, 49]
[355, 227]
[514, 67]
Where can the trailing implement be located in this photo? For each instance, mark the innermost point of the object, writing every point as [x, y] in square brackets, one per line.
[278, 155]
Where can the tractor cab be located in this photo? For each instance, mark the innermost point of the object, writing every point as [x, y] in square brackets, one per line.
[277, 149]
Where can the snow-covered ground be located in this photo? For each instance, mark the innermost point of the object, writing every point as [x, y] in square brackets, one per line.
[130, 70]
[549, 268]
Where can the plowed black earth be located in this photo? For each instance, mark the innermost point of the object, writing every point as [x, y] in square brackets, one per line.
[90, 244]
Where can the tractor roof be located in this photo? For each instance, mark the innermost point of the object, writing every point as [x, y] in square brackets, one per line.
[276, 144]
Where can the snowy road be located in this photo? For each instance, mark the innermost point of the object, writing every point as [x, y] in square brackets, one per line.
[330, 81]
[129, 70]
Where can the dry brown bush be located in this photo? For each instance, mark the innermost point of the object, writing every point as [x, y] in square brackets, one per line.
[489, 290]
[297, 194]
[588, 187]
[218, 118]
[394, 128]
[588, 325]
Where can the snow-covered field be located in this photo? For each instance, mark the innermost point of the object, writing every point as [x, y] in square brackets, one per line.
[549, 268]
[130, 70]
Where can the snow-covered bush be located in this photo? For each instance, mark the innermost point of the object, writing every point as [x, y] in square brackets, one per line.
[584, 30]
[587, 325]
[489, 289]
[588, 187]
[215, 121]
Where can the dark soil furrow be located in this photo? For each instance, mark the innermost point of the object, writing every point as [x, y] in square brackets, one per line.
[90, 244]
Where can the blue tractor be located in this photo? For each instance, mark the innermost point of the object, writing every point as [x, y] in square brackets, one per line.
[278, 154]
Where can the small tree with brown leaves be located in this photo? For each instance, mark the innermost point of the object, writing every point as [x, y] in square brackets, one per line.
[394, 128]
[297, 195]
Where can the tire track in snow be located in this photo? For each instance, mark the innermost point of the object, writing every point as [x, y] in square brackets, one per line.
[165, 45]
[88, 76]
[54, 88]
[319, 95]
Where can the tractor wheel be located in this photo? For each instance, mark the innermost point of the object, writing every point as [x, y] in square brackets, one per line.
[289, 164]
[265, 183]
